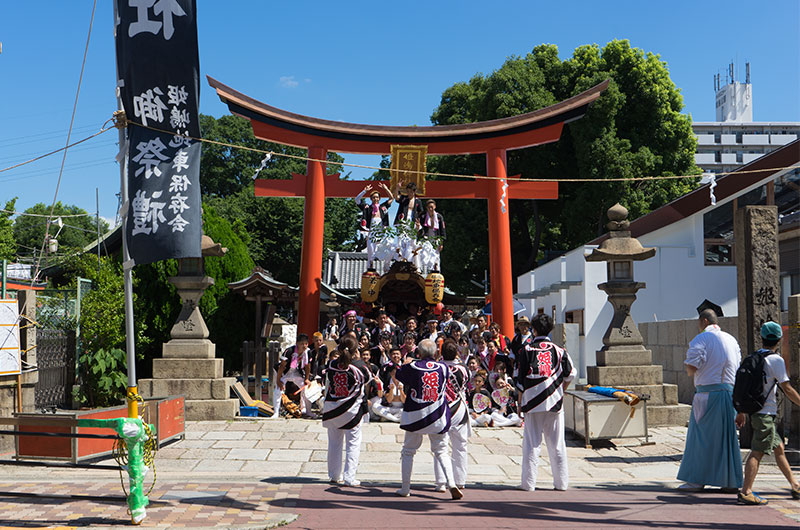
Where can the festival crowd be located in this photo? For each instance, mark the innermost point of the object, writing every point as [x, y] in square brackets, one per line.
[435, 376]
[384, 345]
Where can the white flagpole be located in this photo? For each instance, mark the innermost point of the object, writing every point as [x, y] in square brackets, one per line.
[127, 264]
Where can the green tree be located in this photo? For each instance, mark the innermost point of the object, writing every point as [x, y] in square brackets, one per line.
[273, 224]
[634, 129]
[102, 363]
[228, 316]
[8, 244]
[77, 232]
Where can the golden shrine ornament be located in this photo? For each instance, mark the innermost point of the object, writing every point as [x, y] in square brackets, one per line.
[408, 165]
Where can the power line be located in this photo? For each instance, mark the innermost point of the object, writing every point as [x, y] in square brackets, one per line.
[69, 134]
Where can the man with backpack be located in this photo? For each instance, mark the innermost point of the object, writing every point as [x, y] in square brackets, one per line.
[712, 457]
[757, 396]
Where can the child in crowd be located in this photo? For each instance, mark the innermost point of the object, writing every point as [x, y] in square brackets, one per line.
[480, 401]
[463, 349]
[332, 330]
[409, 345]
[344, 407]
[380, 352]
[481, 351]
[373, 391]
[293, 367]
[504, 396]
[472, 367]
[395, 395]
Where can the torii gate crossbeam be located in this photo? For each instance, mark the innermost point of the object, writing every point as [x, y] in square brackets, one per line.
[494, 138]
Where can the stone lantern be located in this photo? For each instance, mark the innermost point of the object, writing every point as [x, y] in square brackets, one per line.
[624, 361]
[189, 366]
[619, 251]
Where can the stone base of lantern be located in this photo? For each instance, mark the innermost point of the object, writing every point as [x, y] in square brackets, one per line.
[188, 366]
[625, 363]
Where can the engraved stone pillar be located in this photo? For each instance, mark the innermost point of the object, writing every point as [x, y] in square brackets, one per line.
[757, 272]
[758, 283]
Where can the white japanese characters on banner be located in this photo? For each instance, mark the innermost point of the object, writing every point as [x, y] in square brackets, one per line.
[10, 358]
[159, 86]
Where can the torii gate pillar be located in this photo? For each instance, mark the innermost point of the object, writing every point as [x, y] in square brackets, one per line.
[313, 232]
[500, 241]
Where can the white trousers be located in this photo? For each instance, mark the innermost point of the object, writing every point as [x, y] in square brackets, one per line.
[379, 411]
[547, 426]
[305, 404]
[502, 421]
[441, 458]
[458, 435]
[350, 441]
[481, 421]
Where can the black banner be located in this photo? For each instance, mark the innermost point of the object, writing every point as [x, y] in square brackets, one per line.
[158, 66]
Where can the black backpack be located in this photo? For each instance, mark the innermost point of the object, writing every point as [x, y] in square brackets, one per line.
[748, 391]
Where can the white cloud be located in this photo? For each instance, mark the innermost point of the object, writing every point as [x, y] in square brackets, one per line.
[307, 79]
[288, 81]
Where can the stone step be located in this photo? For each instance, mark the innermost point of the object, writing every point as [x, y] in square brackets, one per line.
[211, 409]
[188, 349]
[621, 376]
[633, 357]
[663, 415]
[665, 394]
[188, 388]
[187, 368]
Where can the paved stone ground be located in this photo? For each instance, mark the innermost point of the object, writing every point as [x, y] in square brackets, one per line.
[260, 473]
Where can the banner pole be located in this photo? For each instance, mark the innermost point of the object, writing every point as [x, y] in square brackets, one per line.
[127, 265]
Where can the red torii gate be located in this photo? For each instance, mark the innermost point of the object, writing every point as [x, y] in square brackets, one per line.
[494, 138]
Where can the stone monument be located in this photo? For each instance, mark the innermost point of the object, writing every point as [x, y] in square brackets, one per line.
[623, 361]
[755, 232]
[189, 366]
[757, 273]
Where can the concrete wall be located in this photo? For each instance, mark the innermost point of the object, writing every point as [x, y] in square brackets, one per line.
[669, 340]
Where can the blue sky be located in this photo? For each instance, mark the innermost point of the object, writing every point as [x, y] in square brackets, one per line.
[369, 62]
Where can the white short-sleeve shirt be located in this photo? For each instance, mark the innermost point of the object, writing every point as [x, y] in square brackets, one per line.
[775, 374]
[716, 356]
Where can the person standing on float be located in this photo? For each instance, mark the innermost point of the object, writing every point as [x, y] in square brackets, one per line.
[374, 216]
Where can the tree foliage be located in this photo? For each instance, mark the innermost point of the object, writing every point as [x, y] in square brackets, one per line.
[274, 225]
[634, 129]
[228, 317]
[8, 244]
[76, 233]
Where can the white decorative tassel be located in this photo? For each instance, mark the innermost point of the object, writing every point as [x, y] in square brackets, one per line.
[710, 178]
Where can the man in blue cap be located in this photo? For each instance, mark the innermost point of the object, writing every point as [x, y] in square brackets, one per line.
[765, 436]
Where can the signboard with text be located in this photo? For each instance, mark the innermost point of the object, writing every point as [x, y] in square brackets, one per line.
[159, 84]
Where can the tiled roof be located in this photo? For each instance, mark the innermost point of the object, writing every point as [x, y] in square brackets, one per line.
[347, 268]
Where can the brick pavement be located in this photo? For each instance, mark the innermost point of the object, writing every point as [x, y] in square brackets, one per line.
[264, 472]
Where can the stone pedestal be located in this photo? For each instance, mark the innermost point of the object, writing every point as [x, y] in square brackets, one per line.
[189, 366]
[624, 362]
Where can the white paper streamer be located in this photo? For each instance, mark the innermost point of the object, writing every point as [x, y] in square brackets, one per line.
[502, 202]
[264, 161]
[710, 178]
